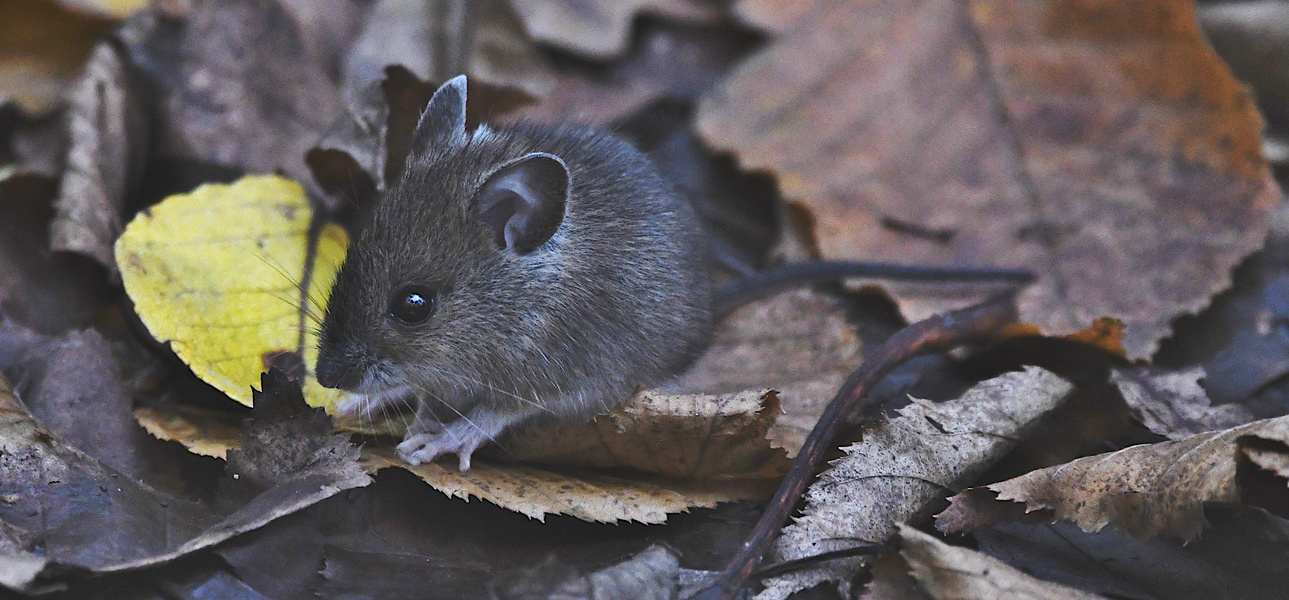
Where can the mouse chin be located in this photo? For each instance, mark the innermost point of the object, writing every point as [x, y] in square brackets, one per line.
[366, 402]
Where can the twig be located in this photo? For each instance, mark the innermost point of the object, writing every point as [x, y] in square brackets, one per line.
[851, 407]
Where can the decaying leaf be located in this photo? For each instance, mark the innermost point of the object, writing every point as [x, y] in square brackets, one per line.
[650, 575]
[590, 496]
[218, 273]
[1102, 145]
[599, 28]
[688, 436]
[798, 344]
[905, 465]
[43, 290]
[954, 573]
[42, 48]
[1146, 490]
[109, 136]
[202, 431]
[1173, 404]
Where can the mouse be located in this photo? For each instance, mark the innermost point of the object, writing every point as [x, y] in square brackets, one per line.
[513, 273]
[525, 272]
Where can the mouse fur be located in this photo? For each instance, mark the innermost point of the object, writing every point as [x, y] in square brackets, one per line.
[558, 298]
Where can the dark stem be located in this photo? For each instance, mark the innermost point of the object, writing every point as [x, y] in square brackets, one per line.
[851, 407]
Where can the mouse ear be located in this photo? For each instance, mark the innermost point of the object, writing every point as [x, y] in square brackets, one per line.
[522, 204]
[443, 122]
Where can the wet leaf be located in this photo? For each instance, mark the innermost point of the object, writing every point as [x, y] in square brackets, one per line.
[599, 28]
[1103, 145]
[1173, 404]
[218, 274]
[903, 466]
[1146, 490]
[954, 573]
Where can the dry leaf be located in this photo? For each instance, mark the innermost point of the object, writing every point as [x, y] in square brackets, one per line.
[109, 136]
[202, 431]
[116, 9]
[798, 344]
[1103, 145]
[1146, 490]
[903, 466]
[537, 492]
[954, 573]
[599, 28]
[688, 436]
[1173, 404]
[42, 48]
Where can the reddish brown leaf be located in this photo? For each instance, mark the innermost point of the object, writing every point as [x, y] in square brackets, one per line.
[1102, 144]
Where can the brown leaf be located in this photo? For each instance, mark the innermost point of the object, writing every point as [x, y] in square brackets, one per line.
[43, 290]
[904, 466]
[799, 344]
[202, 431]
[1146, 490]
[42, 48]
[1103, 145]
[109, 136]
[600, 28]
[954, 573]
[688, 436]
[1173, 404]
[590, 496]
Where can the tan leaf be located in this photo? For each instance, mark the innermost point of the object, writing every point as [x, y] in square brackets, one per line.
[1173, 404]
[649, 575]
[200, 430]
[590, 496]
[902, 466]
[954, 573]
[1146, 490]
[599, 28]
[1102, 145]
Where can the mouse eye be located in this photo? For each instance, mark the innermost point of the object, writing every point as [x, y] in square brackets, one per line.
[412, 305]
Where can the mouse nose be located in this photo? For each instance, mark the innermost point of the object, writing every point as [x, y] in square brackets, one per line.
[337, 374]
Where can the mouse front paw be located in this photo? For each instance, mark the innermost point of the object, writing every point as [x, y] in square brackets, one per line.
[455, 439]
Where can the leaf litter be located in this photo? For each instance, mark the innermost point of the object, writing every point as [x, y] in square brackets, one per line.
[1105, 147]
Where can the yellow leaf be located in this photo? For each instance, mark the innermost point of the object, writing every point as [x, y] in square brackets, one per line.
[217, 272]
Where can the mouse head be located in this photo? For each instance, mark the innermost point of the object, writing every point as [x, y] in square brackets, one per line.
[447, 263]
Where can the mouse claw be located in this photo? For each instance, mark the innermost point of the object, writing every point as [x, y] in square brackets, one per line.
[454, 439]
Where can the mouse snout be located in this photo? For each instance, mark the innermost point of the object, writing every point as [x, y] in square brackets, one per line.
[334, 373]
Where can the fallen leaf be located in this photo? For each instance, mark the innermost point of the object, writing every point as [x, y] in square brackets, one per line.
[1244, 554]
[1146, 490]
[109, 137]
[891, 580]
[954, 573]
[797, 343]
[1173, 404]
[202, 431]
[42, 48]
[47, 291]
[1102, 145]
[688, 436]
[587, 495]
[903, 466]
[62, 379]
[668, 62]
[217, 273]
[650, 575]
[483, 40]
[600, 28]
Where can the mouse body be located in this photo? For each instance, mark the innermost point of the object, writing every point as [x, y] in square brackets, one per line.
[513, 272]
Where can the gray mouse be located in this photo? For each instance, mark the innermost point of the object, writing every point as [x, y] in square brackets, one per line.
[526, 271]
[512, 273]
